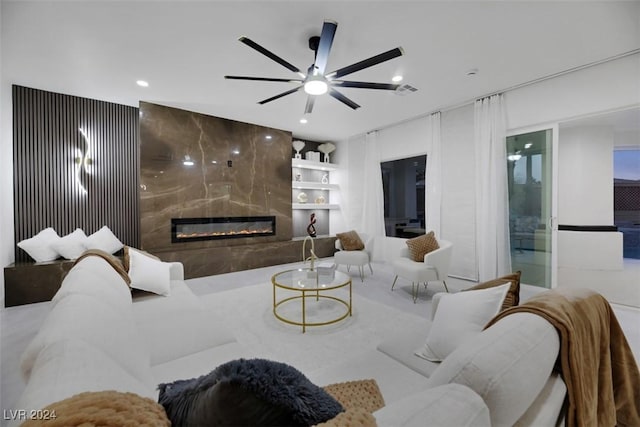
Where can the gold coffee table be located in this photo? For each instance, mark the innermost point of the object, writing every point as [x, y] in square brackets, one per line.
[308, 283]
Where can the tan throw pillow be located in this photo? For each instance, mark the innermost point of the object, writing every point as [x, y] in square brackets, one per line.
[513, 295]
[357, 417]
[350, 241]
[422, 245]
[103, 408]
[363, 394]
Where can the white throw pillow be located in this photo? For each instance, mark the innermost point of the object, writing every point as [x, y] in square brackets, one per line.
[105, 240]
[40, 246]
[459, 317]
[149, 274]
[72, 245]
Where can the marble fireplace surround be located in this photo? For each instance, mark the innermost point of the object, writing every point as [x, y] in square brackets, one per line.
[239, 170]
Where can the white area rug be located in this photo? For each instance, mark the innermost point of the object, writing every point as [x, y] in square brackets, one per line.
[251, 320]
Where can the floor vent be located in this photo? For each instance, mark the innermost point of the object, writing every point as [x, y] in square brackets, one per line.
[405, 90]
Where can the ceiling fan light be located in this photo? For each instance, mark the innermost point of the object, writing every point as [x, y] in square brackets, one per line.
[316, 86]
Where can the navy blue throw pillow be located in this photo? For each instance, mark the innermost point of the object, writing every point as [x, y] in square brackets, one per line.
[248, 392]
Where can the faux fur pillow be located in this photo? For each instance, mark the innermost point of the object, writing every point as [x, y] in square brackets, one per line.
[248, 392]
[422, 245]
[350, 241]
[513, 295]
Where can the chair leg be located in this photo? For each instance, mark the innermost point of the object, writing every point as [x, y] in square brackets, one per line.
[370, 269]
[394, 282]
[414, 291]
[348, 267]
[361, 270]
[445, 286]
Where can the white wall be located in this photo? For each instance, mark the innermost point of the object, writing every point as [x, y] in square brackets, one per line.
[604, 87]
[6, 173]
[601, 88]
[585, 190]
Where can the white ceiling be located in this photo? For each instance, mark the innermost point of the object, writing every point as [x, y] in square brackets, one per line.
[183, 49]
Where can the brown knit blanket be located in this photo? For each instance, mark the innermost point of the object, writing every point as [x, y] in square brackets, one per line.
[598, 367]
[112, 260]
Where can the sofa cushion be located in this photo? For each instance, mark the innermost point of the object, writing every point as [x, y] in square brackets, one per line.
[67, 367]
[175, 326]
[513, 296]
[401, 347]
[103, 408]
[248, 392]
[459, 317]
[546, 409]
[422, 245]
[350, 241]
[446, 405]
[89, 319]
[108, 286]
[507, 364]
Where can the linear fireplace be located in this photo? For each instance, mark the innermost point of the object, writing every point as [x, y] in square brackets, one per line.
[194, 229]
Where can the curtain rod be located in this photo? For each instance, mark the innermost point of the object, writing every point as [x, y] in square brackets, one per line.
[510, 88]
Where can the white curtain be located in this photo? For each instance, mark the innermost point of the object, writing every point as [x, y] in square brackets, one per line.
[373, 201]
[492, 200]
[433, 192]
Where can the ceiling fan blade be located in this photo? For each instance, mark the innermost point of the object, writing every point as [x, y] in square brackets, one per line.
[340, 97]
[324, 46]
[263, 79]
[374, 60]
[310, 101]
[269, 54]
[280, 95]
[364, 85]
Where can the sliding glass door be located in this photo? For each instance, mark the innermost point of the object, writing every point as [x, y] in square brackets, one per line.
[531, 208]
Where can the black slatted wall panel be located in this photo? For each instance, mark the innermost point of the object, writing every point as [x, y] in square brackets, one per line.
[52, 188]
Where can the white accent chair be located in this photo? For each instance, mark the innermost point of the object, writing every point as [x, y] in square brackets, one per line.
[359, 258]
[434, 268]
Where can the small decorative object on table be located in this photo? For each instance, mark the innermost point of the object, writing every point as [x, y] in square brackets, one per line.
[326, 148]
[298, 145]
[311, 229]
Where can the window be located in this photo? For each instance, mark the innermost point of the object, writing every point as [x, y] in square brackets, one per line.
[404, 196]
[626, 199]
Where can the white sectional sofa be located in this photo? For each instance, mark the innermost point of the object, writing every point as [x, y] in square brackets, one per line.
[97, 337]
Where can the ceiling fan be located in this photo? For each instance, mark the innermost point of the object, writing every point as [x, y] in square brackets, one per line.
[316, 82]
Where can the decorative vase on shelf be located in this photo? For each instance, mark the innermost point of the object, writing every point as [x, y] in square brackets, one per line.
[298, 145]
[320, 200]
[326, 148]
[302, 197]
[325, 178]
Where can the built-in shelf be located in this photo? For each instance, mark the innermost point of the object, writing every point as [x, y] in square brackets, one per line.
[306, 185]
[314, 206]
[308, 164]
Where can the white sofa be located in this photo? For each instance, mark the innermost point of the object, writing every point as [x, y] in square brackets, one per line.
[97, 337]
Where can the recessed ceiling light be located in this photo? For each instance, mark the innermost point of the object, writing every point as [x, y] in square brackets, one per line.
[472, 72]
[396, 79]
[303, 120]
[142, 83]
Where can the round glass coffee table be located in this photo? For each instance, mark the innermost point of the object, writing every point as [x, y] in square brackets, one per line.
[308, 283]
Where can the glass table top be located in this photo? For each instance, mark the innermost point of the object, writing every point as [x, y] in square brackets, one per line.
[305, 278]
